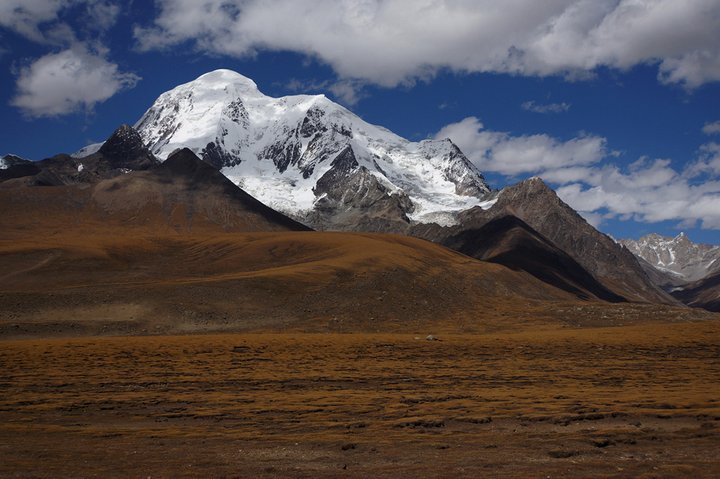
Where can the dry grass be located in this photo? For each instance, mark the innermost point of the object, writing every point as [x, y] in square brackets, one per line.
[611, 402]
[74, 284]
[525, 382]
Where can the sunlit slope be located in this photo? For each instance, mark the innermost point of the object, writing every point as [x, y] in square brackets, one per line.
[240, 281]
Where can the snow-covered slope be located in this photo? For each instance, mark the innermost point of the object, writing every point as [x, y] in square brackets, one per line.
[676, 256]
[306, 156]
[87, 150]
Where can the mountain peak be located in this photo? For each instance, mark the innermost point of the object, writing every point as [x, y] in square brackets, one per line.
[677, 256]
[223, 75]
[277, 149]
[533, 187]
[654, 237]
[185, 162]
[125, 149]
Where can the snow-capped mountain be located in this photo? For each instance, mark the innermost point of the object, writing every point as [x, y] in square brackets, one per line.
[678, 256]
[311, 158]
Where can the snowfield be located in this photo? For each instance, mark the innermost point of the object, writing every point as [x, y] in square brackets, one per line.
[277, 149]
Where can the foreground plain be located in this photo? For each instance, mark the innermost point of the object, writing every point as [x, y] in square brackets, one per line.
[632, 401]
[140, 338]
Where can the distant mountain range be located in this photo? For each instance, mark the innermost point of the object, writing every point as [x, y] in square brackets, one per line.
[325, 168]
[678, 257]
[691, 271]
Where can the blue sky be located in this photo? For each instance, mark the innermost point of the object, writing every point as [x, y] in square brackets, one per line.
[615, 103]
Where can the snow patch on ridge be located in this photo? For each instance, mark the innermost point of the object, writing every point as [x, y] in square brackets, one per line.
[87, 150]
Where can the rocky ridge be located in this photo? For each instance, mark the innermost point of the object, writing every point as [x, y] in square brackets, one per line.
[679, 259]
[538, 206]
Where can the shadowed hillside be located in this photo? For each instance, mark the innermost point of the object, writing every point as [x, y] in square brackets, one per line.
[704, 293]
[511, 242]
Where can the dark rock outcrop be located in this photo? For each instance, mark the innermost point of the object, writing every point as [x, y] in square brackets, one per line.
[125, 149]
[216, 156]
[16, 167]
[122, 152]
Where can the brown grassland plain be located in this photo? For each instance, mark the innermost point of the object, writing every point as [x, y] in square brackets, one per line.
[602, 402]
[313, 362]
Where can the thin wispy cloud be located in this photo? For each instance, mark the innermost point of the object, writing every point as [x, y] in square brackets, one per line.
[545, 108]
[39, 20]
[24, 17]
[712, 128]
[348, 92]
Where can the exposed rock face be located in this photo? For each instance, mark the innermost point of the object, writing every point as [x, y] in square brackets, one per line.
[350, 197]
[664, 279]
[12, 166]
[509, 241]
[8, 161]
[341, 167]
[539, 207]
[125, 149]
[678, 259]
[691, 271]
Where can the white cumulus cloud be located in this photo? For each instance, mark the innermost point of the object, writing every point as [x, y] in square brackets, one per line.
[589, 179]
[503, 153]
[636, 196]
[67, 81]
[102, 15]
[707, 163]
[24, 16]
[40, 20]
[75, 74]
[400, 41]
